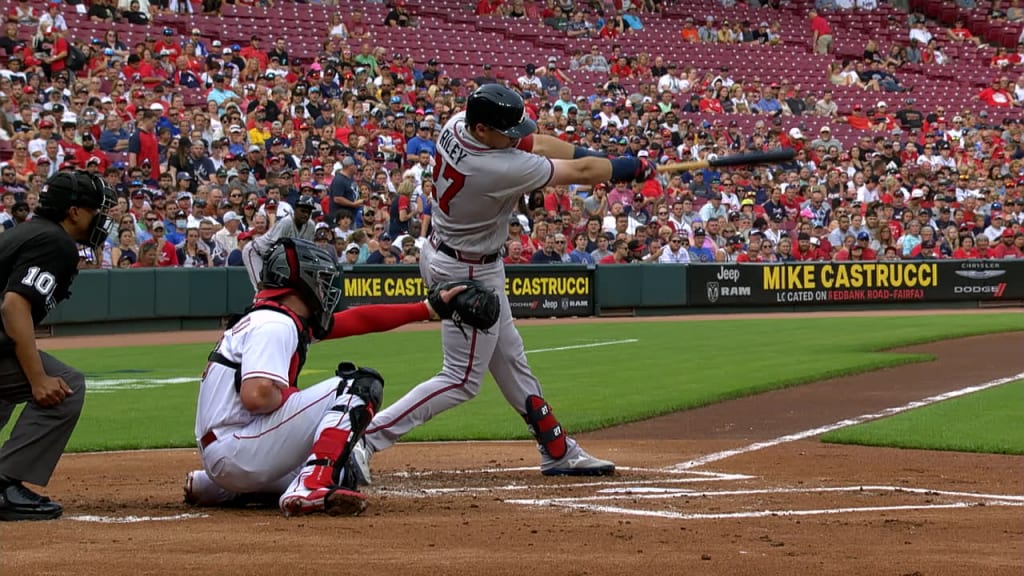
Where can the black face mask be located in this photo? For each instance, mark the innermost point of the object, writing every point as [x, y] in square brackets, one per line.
[101, 227]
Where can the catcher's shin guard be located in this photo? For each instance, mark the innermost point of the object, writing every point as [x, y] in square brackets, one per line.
[367, 385]
[545, 427]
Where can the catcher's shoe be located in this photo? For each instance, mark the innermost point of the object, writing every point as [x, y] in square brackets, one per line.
[307, 496]
[576, 463]
[359, 463]
[201, 491]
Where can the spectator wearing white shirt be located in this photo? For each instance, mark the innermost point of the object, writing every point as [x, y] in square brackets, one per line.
[530, 81]
[608, 115]
[920, 33]
[677, 250]
[669, 82]
[714, 209]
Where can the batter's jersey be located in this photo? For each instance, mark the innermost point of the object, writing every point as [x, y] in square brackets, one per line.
[39, 261]
[477, 188]
[263, 342]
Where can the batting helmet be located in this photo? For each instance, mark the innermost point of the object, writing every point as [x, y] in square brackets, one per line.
[310, 270]
[500, 108]
[67, 189]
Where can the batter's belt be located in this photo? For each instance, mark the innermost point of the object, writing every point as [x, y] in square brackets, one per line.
[443, 248]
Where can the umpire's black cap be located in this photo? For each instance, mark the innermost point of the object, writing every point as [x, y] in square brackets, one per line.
[500, 108]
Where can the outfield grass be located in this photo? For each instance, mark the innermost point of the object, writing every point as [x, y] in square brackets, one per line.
[671, 366]
[990, 421]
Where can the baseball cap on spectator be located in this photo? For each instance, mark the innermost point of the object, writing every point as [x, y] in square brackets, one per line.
[254, 148]
[200, 203]
[997, 206]
[244, 236]
[158, 224]
[352, 247]
[235, 129]
[183, 196]
[635, 246]
[796, 134]
[1008, 233]
[698, 232]
[348, 161]
[231, 216]
[815, 241]
[863, 236]
[917, 193]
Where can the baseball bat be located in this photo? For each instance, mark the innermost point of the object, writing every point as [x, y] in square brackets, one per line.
[750, 158]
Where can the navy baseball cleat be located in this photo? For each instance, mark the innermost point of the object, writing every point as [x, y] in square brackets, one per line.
[20, 503]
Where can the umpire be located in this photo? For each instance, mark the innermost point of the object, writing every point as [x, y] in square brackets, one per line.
[38, 261]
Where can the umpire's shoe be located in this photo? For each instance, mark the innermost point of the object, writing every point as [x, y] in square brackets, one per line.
[20, 503]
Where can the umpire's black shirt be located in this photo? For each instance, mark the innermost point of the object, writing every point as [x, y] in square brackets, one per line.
[38, 260]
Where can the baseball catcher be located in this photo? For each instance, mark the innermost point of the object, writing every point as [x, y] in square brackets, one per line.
[256, 431]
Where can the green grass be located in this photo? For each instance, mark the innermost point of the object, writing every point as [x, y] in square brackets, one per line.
[990, 421]
[672, 366]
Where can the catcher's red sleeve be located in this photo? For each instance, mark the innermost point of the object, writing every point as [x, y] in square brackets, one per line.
[376, 318]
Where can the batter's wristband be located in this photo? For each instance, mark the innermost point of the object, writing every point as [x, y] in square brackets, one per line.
[625, 168]
[583, 152]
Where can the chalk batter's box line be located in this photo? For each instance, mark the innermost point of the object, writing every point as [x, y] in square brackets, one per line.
[589, 503]
[679, 477]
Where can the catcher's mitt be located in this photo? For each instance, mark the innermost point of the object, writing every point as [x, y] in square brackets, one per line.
[476, 306]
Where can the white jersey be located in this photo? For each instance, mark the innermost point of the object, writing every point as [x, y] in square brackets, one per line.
[476, 189]
[263, 342]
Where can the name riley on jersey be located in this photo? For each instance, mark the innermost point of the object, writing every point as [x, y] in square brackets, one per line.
[452, 147]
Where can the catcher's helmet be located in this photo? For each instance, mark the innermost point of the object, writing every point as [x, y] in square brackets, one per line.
[305, 267]
[500, 108]
[67, 189]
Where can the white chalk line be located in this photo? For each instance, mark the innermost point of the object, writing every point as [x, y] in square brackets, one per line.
[717, 456]
[582, 346]
[584, 503]
[133, 519]
[742, 515]
[108, 385]
[639, 485]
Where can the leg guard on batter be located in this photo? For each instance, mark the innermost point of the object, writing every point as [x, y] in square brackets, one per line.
[545, 427]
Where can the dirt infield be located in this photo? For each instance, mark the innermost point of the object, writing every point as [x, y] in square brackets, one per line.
[715, 490]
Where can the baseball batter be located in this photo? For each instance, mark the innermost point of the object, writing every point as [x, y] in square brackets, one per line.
[258, 434]
[297, 225]
[487, 160]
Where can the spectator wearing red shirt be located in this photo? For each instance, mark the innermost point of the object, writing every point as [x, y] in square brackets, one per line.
[998, 94]
[619, 255]
[56, 49]
[253, 50]
[143, 150]
[516, 255]
[690, 33]
[1012, 245]
[857, 119]
[556, 200]
[821, 33]
[168, 44]
[488, 7]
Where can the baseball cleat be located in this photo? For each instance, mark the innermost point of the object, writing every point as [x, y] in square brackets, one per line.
[359, 463]
[333, 501]
[578, 463]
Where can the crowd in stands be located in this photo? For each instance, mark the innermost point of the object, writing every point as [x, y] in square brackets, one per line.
[354, 128]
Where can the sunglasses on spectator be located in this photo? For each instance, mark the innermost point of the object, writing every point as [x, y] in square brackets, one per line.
[378, 228]
[662, 213]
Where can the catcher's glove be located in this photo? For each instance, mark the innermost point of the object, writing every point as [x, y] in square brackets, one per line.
[476, 306]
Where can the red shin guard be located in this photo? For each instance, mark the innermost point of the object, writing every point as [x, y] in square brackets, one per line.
[545, 427]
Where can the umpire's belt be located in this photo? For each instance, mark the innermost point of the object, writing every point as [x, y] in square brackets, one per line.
[462, 256]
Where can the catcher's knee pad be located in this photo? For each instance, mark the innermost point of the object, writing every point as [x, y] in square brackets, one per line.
[545, 427]
[365, 383]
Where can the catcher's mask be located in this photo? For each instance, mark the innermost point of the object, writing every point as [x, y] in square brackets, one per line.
[305, 267]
